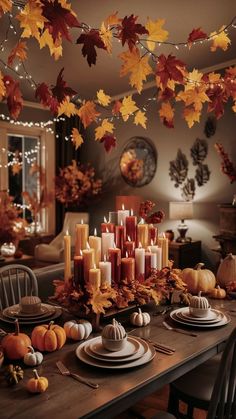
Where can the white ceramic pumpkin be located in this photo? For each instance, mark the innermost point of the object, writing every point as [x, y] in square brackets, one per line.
[33, 358]
[140, 318]
[114, 336]
[198, 279]
[78, 330]
[227, 270]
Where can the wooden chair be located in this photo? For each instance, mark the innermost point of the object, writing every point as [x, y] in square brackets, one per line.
[16, 281]
[211, 386]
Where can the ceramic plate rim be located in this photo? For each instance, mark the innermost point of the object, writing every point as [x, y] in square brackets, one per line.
[181, 317]
[114, 355]
[147, 357]
[206, 318]
[225, 320]
[56, 314]
[49, 311]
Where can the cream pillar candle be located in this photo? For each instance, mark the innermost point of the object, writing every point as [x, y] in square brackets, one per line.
[158, 252]
[164, 244]
[81, 237]
[67, 257]
[95, 278]
[105, 268]
[89, 261]
[142, 234]
[107, 243]
[122, 214]
[96, 244]
[139, 255]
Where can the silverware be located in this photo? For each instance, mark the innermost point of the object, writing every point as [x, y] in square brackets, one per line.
[159, 347]
[175, 329]
[64, 371]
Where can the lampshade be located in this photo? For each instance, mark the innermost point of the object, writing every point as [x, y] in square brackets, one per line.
[181, 210]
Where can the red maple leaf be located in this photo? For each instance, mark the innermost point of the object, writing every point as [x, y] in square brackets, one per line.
[61, 90]
[128, 31]
[195, 35]
[166, 94]
[43, 94]
[14, 97]
[109, 142]
[90, 40]
[59, 19]
[218, 97]
[169, 68]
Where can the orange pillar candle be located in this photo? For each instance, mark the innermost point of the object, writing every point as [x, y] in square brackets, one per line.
[78, 270]
[107, 227]
[128, 269]
[96, 244]
[129, 247]
[120, 238]
[95, 278]
[115, 259]
[152, 234]
[89, 261]
[164, 244]
[81, 237]
[67, 257]
[142, 234]
[131, 225]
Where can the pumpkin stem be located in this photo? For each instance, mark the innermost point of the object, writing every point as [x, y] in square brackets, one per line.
[199, 266]
[114, 322]
[17, 328]
[50, 324]
[31, 349]
[36, 376]
[218, 287]
[200, 294]
[140, 311]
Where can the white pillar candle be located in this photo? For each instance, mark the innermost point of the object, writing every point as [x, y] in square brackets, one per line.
[158, 252]
[67, 257]
[139, 255]
[113, 217]
[96, 244]
[121, 215]
[107, 243]
[105, 268]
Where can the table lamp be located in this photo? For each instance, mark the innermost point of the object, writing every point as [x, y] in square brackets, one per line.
[182, 210]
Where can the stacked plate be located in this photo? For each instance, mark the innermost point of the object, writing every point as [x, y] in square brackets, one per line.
[135, 353]
[215, 318]
[46, 313]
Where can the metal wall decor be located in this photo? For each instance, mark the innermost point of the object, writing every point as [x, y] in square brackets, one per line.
[210, 126]
[179, 168]
[138, 162]
[199, 151]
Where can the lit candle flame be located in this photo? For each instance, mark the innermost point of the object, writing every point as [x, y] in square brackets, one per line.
[95, 232]
[114, 245]
[129, 239]
[149, 249]
[82, 221]
[163, 235]
[123, 207]
[140, 245]
[104, 258]
[126, 255]
[81, 253]
[105, 220]
[121, 222]
[152, 242]
[107, 230]
[94, 266]
[141, 221]
[132, 212]
[87, 246]
[67, 232]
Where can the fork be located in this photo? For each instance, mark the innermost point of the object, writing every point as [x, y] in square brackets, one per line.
[64, 371]
[159, 347]
[175, 329]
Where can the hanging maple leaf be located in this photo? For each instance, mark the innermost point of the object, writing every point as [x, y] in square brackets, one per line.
[19, 51]
[2, 87]
[227, 166]
[109, 142]
[128, 107]
[156, 33]
[61, 90]
[196, 35]
[129, 30]
[90, 40]
[59, 17]
[169, 68]
[136, 65]
[116, 107]
[77, 138]
[103, 99]
[99, 301]
[106, 36]
[105, 127]
[43, 94]
[166, 113]
[55, 48]
[195, 97]
[16, 168]
[88, 113]
[14, 97]
[220, 39]
[218, 96]
[5, 6]
[191, 115]
[67, 108]
[31, 19]
[112, 20]
[140, 119]
[194, 78]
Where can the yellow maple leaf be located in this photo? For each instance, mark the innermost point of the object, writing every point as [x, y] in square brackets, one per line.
[156, 33]
[2, 87]
[166, 112]
[16, 168]
[220, 39]
[170, 83]
[140, 119]
[67, 108]
[214, 78]
[88, 113]
[19, 51]
[191, 116]
[105, 127]
[103, 99]
[136, 65]
[128, 107]
[31, 19]
[195, 97]
[5, 6]
[77, 138]
[112, 20]
[99, 301]
[106, 35]
[55, 49]
[193, 79]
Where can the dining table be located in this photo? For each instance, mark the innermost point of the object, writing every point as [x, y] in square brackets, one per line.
[119, 389]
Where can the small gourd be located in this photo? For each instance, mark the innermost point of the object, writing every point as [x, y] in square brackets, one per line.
[33, 358]
[78, 330]
[37, 384]
[48, 337]
[218, 293]
[140, 318]
[15, 345]
[13, 374]
[198, 279]
[227, 270]
[114, 331]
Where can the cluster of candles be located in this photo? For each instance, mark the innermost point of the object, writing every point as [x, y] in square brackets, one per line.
[126, 250]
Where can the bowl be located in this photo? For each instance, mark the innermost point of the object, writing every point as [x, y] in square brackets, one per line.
[114, 345]
[199, 312]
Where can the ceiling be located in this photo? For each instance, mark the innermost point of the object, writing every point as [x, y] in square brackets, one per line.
[181, 17]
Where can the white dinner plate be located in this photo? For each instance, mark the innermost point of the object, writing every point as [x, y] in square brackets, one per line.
[13, 312]
[225, 319]
[184, 316]
[213, 315]
[141, 351]
[55, 315]
[147, 357]
[131, 347]
[181, 317]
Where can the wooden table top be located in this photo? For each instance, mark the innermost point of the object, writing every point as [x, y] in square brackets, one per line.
[118, 389]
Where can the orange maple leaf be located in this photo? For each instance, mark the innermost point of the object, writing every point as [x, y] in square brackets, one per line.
[99, 301]
[116, 107]
[2, 87]
[136, 65]
[5, 6]
[76, 138]
[191, 115]
[88, 113]
[19, 51]
[167, 114]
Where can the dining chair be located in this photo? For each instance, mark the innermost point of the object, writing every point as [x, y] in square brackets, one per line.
[16, 281]
[211, 386]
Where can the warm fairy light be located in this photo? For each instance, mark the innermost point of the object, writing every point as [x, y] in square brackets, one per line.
[95, 232]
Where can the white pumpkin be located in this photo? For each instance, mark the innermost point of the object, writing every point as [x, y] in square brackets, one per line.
[198, 301]
[33, 358]
[140, 318]
[114, 331]
[227, 270]
[78, 330]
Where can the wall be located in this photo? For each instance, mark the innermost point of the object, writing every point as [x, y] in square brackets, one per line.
[161, 190]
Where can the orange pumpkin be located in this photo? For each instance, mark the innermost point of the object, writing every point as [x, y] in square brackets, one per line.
[15, 345]
[198, 279]
[48, 337]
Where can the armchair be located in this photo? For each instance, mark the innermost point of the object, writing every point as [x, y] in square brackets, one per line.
[54, 251]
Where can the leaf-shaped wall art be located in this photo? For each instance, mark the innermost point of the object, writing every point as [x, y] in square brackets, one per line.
[179, 168]
[202, 174]
[210, 126]
[199, 151]
[188, 190]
